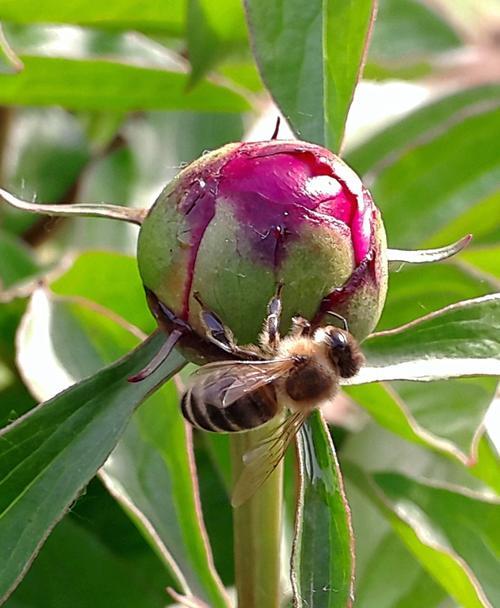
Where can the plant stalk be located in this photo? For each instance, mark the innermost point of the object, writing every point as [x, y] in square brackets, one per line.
[113, 212]
[257, 531]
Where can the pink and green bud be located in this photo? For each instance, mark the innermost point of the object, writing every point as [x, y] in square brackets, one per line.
[243, 218]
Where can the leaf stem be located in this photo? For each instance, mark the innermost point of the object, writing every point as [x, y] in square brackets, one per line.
[428, 256]
[114, 212]
[257, 532]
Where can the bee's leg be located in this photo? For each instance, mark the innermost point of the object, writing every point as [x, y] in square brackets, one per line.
[215, 330]
[220, 335]
[271, 334]
[300, 327]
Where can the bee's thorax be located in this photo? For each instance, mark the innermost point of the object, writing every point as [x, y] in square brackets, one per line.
[313, 379]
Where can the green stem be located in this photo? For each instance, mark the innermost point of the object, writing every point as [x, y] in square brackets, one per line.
[114, 212]
[257, 532]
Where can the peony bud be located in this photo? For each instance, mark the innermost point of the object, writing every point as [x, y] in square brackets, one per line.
[240, 219]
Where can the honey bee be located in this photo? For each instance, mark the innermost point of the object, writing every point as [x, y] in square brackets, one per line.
[293, 375]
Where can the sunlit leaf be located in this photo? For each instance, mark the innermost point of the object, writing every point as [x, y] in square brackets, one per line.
[309, 55]
[459, 340]
[444, 416]
[96, 84]
[389, 143]
[487, 463]
[126, 14]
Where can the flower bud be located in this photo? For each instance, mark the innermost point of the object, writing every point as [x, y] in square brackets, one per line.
[241, 219]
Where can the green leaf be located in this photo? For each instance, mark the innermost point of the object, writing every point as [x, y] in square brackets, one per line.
[214, 29]
[216, 506]
[382, 558]
[437, 175]
[16, 261]
[50, 149]
[116, 285]
[393, 578]
[445, 416]
[9, 61]
[485, 259]
[150, 471]
[243, 73]
[483, 217]
[124, 14]
[101, 129]
[323, 554]
[76, 569]
[151, 138]
[310, 56]
[407, 30]
[50, 454]
[420, 290]
[346, 32]
[451, 409]
[459, 340]
[487, 463]
[99, 84]
[113, 178]
[454, 535]
[374, 449]
[389, 143]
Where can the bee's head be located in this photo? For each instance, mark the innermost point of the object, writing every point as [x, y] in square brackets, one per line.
[343, 351]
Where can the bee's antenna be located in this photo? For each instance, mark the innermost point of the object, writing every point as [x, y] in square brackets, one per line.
[340, 317]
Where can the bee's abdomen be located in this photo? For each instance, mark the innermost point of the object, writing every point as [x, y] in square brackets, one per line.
[249, 412]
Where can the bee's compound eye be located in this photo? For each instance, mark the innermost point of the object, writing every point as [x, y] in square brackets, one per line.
[338, 340]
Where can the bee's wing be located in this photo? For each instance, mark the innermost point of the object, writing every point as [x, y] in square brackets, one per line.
[225, 382]
[263, 459]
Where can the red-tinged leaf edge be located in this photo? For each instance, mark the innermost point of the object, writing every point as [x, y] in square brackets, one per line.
[10, 62]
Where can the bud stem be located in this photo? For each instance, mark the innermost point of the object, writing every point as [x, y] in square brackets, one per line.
[257, 531]
[114, 212]
[428, 256]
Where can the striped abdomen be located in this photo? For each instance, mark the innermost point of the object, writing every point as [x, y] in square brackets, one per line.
[246, 413]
